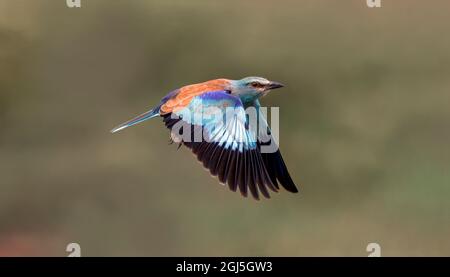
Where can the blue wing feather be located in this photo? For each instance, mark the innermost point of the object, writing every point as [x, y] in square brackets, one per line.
[223, 118]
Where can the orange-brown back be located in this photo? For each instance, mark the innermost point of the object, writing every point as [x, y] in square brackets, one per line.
[187, 93]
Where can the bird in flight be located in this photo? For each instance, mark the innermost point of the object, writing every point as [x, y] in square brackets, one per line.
[228, 144]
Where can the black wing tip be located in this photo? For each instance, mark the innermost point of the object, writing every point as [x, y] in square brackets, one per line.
[294, 190]
[291, 187]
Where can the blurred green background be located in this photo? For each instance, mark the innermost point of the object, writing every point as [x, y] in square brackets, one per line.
[364, 127]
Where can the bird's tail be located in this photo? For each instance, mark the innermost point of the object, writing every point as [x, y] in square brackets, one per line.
[138, 119]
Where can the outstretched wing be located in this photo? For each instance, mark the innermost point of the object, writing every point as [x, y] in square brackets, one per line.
[214, 126]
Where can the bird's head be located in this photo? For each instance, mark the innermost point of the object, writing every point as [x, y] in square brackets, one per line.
[251, 88]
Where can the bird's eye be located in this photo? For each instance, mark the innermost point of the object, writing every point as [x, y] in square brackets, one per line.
[255, 84]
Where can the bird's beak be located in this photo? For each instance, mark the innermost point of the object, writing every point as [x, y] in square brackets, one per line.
[274, 85]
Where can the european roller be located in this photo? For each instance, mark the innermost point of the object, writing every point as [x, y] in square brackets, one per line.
[212, 120]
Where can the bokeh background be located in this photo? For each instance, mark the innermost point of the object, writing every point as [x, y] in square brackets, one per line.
[364, 127]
